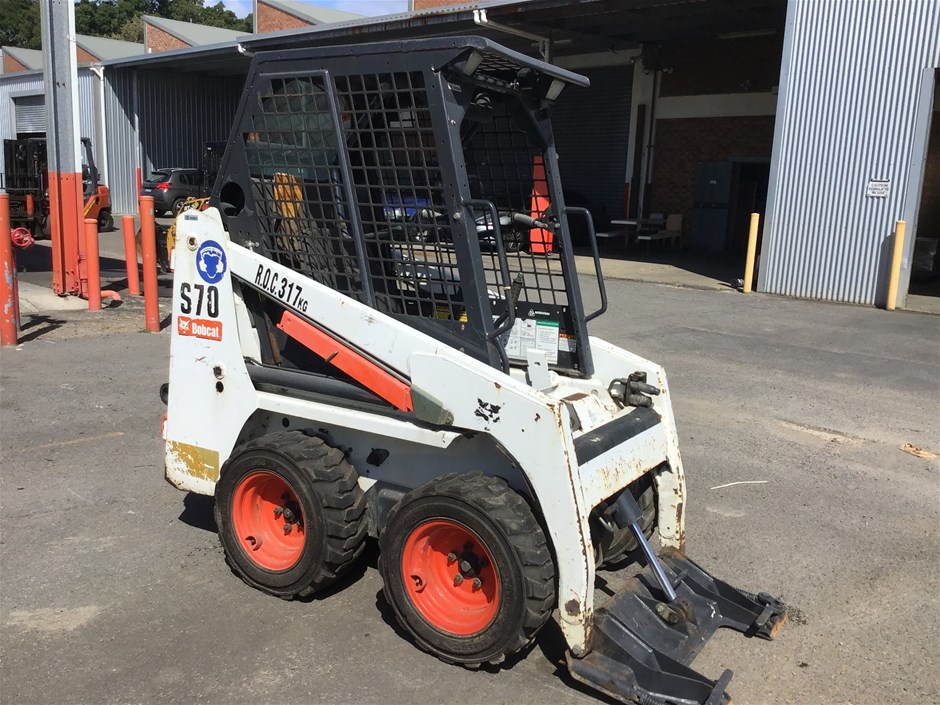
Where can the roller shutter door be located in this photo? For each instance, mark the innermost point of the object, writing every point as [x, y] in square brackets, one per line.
[30, 113]
[592, 134]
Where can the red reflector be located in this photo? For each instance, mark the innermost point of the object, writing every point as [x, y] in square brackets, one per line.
[163, 186]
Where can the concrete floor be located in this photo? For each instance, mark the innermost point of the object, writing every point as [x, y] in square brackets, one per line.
[114, 589]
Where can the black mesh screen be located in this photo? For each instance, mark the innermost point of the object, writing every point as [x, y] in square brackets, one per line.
[293, 157]
[505, 168]
[354, 182]
[399, 193]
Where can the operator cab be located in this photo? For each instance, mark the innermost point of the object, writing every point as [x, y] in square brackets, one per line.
[427, 189]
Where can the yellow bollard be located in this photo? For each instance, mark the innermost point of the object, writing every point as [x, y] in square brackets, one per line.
[751, 253]
[892, 301]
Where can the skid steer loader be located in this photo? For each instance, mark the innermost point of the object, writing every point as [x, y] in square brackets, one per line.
[330, 381]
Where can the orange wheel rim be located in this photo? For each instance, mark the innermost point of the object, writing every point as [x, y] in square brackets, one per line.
[268, 521]
[450, 577]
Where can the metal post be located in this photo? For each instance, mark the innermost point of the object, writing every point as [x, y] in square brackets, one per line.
[148, 242]
[130, 255]
[895, 271]
[93, 263]
[8, 303]
[751, 253]
[63, 144]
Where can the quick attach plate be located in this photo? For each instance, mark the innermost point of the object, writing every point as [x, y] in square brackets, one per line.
[643, 646]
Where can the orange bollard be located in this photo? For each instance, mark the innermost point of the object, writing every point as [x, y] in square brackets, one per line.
[30, 205]
[130, 255]
[8, 299]
[148, 237]
[93, 264]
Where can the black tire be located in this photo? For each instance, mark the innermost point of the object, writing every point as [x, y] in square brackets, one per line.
[105, 221]
[324, 488]
[177, 206]
[514, 241]
[158, 213]
[505, 526]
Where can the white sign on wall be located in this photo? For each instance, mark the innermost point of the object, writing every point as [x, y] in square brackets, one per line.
[878, 188]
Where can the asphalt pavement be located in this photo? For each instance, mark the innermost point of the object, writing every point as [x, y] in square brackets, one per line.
[113, 588]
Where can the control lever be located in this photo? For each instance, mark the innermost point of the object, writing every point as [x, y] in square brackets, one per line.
[528, 221]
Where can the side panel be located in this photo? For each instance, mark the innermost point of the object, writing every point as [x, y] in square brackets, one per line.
[211, 395]
[612, 362]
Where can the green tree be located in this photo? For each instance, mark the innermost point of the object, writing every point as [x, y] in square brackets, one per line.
[19, 24]
[119, 19]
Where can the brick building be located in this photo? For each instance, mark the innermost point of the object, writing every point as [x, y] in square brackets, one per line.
[16, 59]
[88, 50]
[166, 35]
[278, 15]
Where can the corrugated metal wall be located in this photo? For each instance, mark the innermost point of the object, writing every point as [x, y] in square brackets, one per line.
[177, 115]
[90, 124]
[123, 148]
[848, 98]
[14, 84]
[10, 85]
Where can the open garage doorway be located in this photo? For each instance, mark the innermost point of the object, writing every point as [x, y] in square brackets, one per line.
[924, 289]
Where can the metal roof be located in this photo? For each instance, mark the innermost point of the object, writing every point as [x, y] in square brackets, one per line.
[30, 58]
[576, 26]
[309, 12]
[105, 48]
[195, 34]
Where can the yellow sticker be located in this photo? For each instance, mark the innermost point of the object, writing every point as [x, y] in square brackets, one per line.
[197, 462]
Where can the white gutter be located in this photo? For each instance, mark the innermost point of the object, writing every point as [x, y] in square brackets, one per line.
[102, 135]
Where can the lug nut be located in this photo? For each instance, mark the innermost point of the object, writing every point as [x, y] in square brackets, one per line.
[458, 579]
[278, 511]
[451, 557]
[477, 583]
[287, 529]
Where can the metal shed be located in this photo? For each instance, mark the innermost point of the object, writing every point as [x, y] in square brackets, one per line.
[851, 112]
[161, 112]
[22, 94]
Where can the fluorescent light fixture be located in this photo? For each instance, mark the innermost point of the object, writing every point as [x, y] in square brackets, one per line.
[473, 63]
[554, 90]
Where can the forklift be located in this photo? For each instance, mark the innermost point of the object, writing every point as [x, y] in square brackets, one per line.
[329, 381]
[26, 180]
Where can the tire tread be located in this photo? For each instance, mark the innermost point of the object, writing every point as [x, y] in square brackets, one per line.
[335, 482]
[512, 514]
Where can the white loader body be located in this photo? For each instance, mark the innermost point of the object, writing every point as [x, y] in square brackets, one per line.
[524, 430]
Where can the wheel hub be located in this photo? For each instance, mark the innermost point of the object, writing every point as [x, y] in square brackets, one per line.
[268, 521]
[290, 512]
[450, 578]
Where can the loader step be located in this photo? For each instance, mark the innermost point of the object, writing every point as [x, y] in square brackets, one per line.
[643, 646]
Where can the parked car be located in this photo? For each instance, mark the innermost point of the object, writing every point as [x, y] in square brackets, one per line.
[170, 188]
